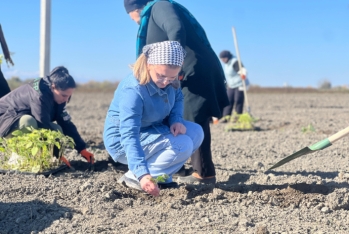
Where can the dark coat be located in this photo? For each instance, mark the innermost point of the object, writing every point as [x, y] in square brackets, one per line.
[36, 99]
[4, 88]
[203, 84]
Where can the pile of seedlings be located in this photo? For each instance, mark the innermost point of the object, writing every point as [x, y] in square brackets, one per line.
[241, 122]
[36, 151]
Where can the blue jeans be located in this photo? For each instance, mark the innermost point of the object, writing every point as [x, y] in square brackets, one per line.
[168, 153]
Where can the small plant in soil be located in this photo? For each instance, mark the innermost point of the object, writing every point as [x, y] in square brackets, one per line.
[160, 179]
[33, 151]
[309, 128]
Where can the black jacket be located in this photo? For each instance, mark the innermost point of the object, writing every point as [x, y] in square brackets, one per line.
[203, 84]
[36, 99]
[4, 88]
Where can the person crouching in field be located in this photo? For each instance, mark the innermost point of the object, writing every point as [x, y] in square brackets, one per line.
[144, 126]
[235, 89]
[40, 103]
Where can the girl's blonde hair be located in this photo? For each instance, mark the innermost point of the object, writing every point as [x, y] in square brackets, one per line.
[140, 71]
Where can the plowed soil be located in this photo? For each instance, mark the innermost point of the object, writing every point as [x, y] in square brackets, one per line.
[306, 195]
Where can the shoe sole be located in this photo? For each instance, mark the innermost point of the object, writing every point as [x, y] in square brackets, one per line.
[192, 180]
[171, 185]
[125, 181]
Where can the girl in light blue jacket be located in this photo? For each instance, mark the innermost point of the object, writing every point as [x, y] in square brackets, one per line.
[144, 127]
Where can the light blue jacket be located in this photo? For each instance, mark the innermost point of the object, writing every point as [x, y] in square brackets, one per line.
[232, 77]
[136, 118]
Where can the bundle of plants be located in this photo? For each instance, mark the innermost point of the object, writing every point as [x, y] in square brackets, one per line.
[36, 151]
[241, 122]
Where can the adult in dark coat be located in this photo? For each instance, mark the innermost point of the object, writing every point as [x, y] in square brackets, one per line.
[202, 77]
[40, 103]
[4, 88]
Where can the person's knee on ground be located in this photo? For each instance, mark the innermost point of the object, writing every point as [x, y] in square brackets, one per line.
[25, 122]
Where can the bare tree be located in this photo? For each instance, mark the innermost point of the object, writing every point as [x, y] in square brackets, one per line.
[325, 84]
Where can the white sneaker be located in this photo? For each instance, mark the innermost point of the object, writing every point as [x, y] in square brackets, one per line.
[131, 183]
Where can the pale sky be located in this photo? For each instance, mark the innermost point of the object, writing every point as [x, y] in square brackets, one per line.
[290, 41]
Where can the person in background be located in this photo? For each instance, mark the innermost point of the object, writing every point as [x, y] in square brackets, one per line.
[235, 89]
[4, 87]
[202, 77]
[38, 104]
[144, 126]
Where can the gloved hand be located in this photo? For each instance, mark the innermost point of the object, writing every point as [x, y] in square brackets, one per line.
[243, 73]
[66, 162]
[88, 156]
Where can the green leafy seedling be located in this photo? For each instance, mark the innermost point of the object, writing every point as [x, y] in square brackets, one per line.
[309, 128]
[160, 179]
[34, 149]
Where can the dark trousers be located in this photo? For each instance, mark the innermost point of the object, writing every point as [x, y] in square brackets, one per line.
[236, 98]
[4, 88]
[201, 160]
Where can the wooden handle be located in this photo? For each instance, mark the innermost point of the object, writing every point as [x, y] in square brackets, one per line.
[339, 135]
[240, 66]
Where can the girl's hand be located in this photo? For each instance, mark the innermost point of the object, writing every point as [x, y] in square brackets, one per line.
[178, 128]
[149, 186]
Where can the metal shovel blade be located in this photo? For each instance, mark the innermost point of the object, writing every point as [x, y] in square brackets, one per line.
[315, 147]
[307, 150]
[299, 153]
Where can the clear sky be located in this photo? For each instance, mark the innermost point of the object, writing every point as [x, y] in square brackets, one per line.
[298, 42]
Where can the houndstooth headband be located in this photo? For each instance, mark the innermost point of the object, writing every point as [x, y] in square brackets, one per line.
[166, 52]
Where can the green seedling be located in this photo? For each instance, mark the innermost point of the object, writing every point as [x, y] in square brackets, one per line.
[33, 149]
[160, 179]
[309, 128]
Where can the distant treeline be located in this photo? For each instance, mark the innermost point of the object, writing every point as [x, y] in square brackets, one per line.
[104, 86]
[323, 86]
[109, 86]
[257, 89]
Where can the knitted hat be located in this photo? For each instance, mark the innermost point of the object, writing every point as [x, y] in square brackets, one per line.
[225, 54]
[131, 5]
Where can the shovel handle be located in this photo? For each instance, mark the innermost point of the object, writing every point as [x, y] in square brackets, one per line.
[339, 135]
[240, 66]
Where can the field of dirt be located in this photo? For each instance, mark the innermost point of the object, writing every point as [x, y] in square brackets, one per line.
[307, 195]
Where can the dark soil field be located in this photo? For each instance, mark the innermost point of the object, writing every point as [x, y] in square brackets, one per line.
[306, 195]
